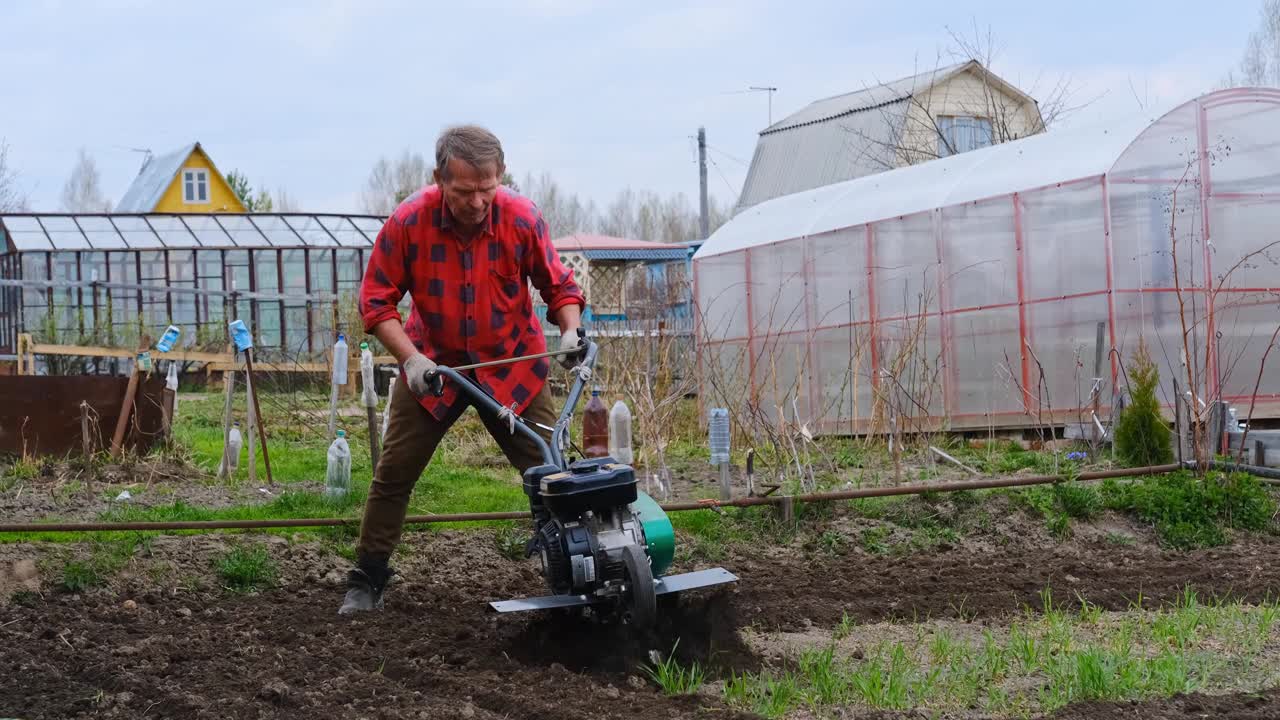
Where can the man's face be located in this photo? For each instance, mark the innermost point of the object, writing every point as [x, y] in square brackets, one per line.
[470, 190]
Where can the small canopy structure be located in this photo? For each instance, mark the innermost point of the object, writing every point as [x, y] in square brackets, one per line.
[981, 290]
[623, 279]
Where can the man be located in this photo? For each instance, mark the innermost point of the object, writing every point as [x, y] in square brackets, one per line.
[465, 250]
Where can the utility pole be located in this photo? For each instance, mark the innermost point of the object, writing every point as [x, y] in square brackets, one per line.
[705, 220]
[771, 91]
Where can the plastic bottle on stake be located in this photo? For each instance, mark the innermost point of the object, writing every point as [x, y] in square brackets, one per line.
[595, 427]
[620, 433]
[338, 378]
[718, 436]
[235, 443]
[337, 480]
[368, 395]
[340, 360]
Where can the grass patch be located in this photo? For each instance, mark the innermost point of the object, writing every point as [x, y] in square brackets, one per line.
[1059, 504]
[106, 557]
[710, 534]
[1038, 664]
[246, 568]
[1190, 512]
[875, 540]
[674, 678]
[511, 540]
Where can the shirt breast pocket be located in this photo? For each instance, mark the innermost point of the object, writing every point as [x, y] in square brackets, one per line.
[505, 289]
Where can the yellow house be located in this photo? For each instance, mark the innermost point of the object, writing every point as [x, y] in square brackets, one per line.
[182, 181]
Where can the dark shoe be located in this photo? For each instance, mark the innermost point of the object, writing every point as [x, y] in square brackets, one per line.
[365, 586]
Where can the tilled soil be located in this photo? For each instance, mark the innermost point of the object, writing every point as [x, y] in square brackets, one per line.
[147, 650]
[967, 584]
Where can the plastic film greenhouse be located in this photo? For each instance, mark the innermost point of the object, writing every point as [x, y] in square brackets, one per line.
[1009, 286]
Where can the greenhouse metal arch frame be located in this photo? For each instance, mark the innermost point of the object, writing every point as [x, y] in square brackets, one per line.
[1004, 273]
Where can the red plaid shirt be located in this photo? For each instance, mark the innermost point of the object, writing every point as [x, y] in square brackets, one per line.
[471, 300]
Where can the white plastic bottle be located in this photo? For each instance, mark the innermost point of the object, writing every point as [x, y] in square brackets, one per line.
[337, 479]
[171, 383]
[338, 378]
[235, 444]
[368, 395]
[340, 360]
[620, 433]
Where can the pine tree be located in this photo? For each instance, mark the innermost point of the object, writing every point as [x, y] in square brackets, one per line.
[1142, 438]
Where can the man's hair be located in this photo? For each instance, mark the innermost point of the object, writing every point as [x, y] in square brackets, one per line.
[471, 144]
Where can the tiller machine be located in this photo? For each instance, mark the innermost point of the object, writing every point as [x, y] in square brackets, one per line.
[604, 544]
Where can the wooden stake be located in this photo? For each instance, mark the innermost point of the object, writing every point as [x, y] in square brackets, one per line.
[953, 461]
[251, 424]
[86, 443]
[1178, 426]
[787, 510]
[130, 395]
[726, 489]
[1097, 374]
[168, 398]
[1259, 454]
[229, 387]
[257, 412]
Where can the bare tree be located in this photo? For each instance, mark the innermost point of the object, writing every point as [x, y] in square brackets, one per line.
[936, 120]
[391, 181]
[83, 190]
[11, 196]
[1261, 62]
[284, 202]
[565, 212]
[638, 215]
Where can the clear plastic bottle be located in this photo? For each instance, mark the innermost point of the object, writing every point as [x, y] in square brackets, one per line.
[368, 394]
[718, 436]
[620, 433]
[595, 427]
[235, 443]
[337, 480]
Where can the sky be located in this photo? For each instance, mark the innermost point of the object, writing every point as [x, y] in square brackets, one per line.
[306, 96]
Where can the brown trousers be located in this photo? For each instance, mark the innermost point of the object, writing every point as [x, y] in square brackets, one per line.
[412, 437]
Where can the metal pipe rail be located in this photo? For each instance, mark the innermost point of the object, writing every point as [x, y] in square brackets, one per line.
[521, 515]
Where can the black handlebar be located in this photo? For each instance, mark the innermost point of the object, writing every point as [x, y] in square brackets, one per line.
[551, 455]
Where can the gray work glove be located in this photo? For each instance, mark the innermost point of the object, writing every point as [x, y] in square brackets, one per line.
[415, 373]
[570, 341]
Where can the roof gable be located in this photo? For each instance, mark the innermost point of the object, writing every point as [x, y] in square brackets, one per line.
[155, 177]
[867, 98]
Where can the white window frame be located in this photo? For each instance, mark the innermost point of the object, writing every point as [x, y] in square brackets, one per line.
[198, 177]
[948, 137]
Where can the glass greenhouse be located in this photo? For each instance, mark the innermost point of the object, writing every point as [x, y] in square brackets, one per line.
[1009, 286]
[90, 278]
